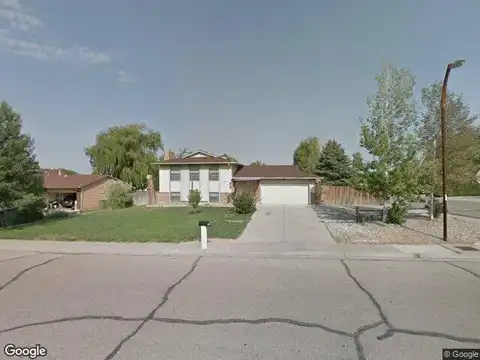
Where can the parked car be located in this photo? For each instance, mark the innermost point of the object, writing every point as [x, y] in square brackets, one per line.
[68, 203]
[54, 204]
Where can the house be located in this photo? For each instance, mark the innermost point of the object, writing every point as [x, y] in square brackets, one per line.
[87, 190]
[218, 178]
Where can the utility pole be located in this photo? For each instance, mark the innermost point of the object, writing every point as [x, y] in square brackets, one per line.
[432, 197]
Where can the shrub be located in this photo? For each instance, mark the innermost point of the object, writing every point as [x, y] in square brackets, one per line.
[397, 212]
[194, 198]
[244, 203]
[437, 208]
[27, 209]
[120, 196]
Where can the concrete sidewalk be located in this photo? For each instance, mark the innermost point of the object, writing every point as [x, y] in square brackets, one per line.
[234, 248]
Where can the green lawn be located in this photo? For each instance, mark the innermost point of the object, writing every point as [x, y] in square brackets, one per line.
[134, 225]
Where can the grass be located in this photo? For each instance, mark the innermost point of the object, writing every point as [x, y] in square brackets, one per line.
[135, 224]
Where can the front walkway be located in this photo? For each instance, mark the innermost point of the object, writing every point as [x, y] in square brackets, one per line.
[286, 224]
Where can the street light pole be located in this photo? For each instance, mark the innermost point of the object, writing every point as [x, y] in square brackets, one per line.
[443, 102]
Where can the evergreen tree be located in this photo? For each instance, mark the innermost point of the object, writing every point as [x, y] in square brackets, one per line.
[359, 172]
[334, 165]
[21, 188]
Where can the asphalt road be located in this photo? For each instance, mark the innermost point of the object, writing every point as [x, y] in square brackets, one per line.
[468, 206]
[100, 307]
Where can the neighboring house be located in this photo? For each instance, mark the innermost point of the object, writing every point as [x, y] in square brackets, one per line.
[87, 190]
[218, 178]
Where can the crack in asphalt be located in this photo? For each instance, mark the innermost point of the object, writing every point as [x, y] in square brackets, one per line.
[16, 277]
[363, 328]
[152, 313]
[391, 331]
[436, 335]
[464, 269]
[370, 296]
[18, 257]
[356, 338]
[72, 319]
[260, 321]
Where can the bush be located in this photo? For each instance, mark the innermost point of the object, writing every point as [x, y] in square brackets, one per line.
[397, 212]
[244, 203]
[194, 198]
[437, 208]
[28, 208]
[120, 196]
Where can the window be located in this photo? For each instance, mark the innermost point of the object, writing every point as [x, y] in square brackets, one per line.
[174, 175]
[213, 173]
[174, 197]
[214, 197]
[194, 173]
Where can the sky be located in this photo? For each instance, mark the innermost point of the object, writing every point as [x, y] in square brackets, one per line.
[250, 78]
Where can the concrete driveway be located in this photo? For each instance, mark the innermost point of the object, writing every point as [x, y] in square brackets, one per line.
[297, 225]
[104, 307]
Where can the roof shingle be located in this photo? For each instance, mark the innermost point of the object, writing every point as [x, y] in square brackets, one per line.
[270, 171]
[52, 180]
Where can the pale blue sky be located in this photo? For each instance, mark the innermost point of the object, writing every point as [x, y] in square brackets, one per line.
[247, 77]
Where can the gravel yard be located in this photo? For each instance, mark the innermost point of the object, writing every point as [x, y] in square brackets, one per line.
[417, 230]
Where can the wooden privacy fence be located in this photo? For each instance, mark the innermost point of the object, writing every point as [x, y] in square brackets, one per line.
[344, 195]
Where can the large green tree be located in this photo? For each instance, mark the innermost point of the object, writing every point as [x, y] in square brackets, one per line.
[334, 165]
[21, 187]
[258, 162]
[463, 141]
[306, 155]
[126, 153]
[390, 135]
[359, 172]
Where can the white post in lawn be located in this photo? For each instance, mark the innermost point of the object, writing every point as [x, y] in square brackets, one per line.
[75, 205]
[203, 237]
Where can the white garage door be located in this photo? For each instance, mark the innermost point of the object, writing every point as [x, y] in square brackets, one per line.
[286, 192]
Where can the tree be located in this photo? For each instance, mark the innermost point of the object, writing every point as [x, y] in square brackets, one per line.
[171, 155]
[334, 165]
[126, 153]
[258, 162]
[68, 171]
[390, 135]
[306, 155]
[463, 141]
[228, 157]
[183, 152]
[359, 173]
[21, 188]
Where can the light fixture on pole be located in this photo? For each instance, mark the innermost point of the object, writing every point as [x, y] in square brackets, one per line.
[443, 101]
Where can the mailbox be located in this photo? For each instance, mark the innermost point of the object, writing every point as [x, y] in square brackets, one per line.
[204, 223]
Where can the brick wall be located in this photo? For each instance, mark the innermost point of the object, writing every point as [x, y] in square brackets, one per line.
[344, 195]
[93, 194]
